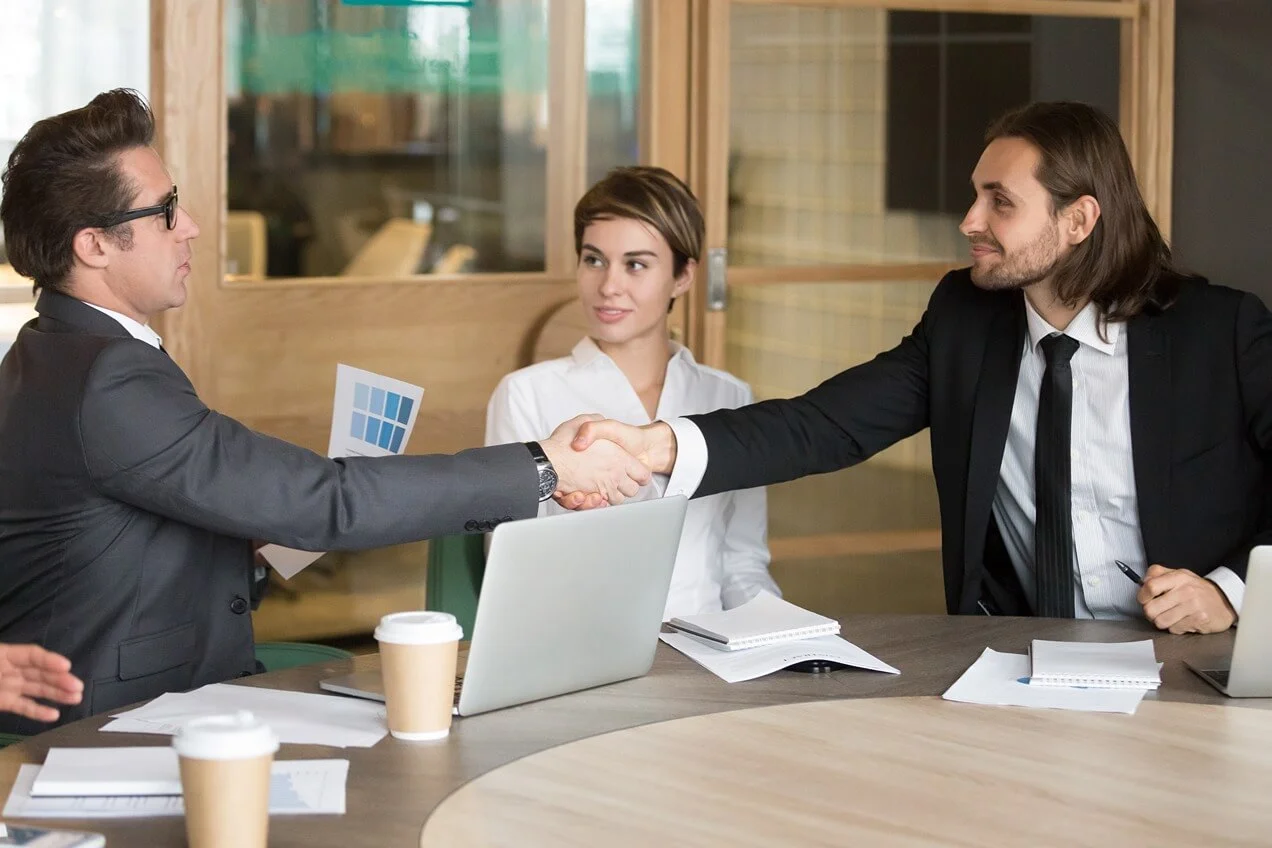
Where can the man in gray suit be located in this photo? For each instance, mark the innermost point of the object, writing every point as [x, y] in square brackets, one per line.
[126, 505]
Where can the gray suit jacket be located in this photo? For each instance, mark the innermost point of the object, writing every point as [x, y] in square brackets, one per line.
[126, 507]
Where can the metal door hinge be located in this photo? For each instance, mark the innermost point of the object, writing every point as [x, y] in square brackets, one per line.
[717, 284]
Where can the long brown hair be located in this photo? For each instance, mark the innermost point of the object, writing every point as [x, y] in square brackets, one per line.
[64, 176]
[1124, 266]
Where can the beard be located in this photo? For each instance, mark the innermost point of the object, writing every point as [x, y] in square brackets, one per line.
[1022, 267]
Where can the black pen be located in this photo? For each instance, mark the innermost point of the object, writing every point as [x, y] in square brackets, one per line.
[1126, 569]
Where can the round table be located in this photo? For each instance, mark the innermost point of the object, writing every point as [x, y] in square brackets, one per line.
[883, 772]
[394, 786]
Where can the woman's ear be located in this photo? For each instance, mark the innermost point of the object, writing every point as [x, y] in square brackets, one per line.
[684, 282]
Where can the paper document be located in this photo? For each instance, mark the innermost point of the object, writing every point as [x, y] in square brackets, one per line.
[1109, 665]
[298, 718]
[296, 787]
[109, 771]
[1003, 680]
[735, 666]
[372, 415]
[763, 620]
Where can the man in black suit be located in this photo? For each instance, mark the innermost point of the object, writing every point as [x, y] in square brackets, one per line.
[1087, 402]
[127, 506]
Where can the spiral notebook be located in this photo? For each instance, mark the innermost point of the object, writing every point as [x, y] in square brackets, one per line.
[1102, 665]
[763, 620]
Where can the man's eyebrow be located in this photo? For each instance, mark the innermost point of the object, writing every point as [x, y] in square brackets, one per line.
[995, 185]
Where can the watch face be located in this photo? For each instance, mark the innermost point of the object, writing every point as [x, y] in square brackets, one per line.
[547, 482]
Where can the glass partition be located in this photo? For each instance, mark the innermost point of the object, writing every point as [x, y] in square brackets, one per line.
[391, 140]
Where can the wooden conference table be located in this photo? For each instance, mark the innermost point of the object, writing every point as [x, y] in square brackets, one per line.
[394, 787]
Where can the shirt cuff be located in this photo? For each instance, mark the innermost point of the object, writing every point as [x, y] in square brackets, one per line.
[1232, 586]
[691, 458]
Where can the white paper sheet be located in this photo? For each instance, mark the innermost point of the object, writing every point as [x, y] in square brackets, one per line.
[371, 415]
[736, 666]
[69, 772]
[297, 787]
[1003, 680]
[298, 718]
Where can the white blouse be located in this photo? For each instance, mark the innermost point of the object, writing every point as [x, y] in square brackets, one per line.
[723, 556]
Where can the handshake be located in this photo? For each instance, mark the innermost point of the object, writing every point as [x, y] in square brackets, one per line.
[600, 461]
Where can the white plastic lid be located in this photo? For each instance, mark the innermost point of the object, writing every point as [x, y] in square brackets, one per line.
[419, 628]
[234, 736]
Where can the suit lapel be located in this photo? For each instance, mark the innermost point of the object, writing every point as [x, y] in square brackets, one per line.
[991, 419]
[1148, 366]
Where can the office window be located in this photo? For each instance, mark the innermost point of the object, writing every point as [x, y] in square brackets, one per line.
[57, 55]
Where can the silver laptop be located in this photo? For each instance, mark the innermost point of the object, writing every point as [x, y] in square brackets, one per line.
[568, 602]
[1249, 674]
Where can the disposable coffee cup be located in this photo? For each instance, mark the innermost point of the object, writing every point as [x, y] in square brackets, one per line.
[225, 764]
[418, 652]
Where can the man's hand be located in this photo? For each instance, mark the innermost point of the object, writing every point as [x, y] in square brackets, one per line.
[653, 444]
[601, 474]
[28, 672]
[1181, 601]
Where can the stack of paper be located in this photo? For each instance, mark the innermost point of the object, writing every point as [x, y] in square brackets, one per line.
[298, 718]
[735, 666]
[134, 782]
[1105, 665]
[763, 620]
[762, 636]
[1003, 680]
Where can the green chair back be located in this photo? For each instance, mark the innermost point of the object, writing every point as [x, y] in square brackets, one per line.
[276, 656]
[456, 565]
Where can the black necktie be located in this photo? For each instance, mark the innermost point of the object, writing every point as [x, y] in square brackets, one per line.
[1053, 529]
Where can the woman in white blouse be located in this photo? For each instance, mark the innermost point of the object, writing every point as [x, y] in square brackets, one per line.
[638, 234]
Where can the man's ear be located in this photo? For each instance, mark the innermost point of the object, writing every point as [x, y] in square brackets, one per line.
[90, 248]
[1078, 220]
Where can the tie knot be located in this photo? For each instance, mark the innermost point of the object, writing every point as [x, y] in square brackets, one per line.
[1058, 348]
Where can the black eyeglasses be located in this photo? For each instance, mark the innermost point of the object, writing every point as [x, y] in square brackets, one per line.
[168, 209]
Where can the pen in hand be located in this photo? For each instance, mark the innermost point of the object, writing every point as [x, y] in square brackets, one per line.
[1126, 569]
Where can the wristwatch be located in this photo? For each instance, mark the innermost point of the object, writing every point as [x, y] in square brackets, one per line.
[547, 474]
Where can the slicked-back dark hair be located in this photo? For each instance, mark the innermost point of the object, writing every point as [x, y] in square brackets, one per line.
[64, 175]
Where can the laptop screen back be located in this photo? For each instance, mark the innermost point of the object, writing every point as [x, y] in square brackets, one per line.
[571, 601]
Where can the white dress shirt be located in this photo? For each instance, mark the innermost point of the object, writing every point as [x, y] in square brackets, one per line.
[1105, 507]
[723, 556]
[1104, 503]
[140, 332]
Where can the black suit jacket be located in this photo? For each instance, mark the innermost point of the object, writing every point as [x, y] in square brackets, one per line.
[1201, 427]
[126, 507]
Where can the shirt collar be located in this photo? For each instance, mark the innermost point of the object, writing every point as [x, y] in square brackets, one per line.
[138, 331]
[586, 352]
[1084, 328]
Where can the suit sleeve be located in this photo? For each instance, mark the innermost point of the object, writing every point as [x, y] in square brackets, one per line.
[847, 419]
[149, 441]
[512, 416]
[1254, 366]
